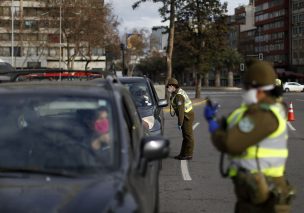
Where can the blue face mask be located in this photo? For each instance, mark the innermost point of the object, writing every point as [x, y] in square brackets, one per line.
[250, 97]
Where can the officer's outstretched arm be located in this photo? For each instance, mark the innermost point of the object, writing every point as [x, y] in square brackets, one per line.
[252, 129]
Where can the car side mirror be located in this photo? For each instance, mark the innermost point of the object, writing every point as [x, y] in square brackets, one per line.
[162, 103]
[154, 148]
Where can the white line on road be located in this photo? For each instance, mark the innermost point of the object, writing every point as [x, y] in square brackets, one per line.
[299, 100]
[291, 127]
[184, 163]
[185, 170]
[195, 125]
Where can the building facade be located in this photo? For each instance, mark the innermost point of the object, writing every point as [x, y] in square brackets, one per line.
[33, 34]
[272, 36]
[159, 39]
[297, 35]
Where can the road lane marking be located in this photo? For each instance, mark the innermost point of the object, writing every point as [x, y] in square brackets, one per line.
[185, 170]
[299, 100]
[195, 125]
[184, 163]
[291, 127]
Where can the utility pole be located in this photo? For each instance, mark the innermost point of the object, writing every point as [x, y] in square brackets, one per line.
[12, 48]
[60, 32]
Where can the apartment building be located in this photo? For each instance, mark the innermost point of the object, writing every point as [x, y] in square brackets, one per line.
[272, 37]
[297, 35]
[247, 30]
[34, 33]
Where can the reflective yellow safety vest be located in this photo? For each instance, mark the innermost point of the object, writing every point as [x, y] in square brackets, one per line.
[188, 103]
[271, 153]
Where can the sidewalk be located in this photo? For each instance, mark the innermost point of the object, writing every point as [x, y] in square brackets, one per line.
[232, 89]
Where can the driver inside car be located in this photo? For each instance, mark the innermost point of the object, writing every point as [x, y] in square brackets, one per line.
[140, 96]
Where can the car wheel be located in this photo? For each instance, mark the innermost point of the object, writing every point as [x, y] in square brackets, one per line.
[286, 90]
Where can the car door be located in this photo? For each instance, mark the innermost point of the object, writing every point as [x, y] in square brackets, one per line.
[143, 182]
[293, 86]
[298, 87]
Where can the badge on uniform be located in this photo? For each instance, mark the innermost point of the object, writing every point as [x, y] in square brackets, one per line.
[179, 103]
[246, 125]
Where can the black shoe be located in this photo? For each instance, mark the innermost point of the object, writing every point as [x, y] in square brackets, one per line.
[181, 157]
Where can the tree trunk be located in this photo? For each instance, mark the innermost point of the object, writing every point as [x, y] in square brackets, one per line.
[230, 78]
[218, 78]
[170, 40]
[206, 79]
[198, 86]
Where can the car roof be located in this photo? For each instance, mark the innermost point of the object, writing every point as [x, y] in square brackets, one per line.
[132, 79]
[87, 88]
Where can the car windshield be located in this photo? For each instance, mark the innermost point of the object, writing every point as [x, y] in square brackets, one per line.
[140, 93]
[56, 134]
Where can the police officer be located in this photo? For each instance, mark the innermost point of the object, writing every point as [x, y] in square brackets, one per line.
[255, 138]
[183, 109]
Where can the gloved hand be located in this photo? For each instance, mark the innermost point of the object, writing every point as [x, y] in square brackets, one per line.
[179, 127]
[210, 111]
[213, 126]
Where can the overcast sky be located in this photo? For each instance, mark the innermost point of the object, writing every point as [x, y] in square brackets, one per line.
[147, 14]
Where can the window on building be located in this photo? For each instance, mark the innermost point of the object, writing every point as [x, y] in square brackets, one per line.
[53, 52]
[5, 11]
[98, 51]
[17, 51]
[5, 36]
[30, 24]
[30, 51]
[5, 51]
[294, 5]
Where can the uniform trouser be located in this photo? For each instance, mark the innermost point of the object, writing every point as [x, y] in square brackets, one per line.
[188, 138]
[243, 204]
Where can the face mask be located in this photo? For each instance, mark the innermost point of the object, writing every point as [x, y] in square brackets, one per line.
[102, 126]
[170, 89]
[250, 97]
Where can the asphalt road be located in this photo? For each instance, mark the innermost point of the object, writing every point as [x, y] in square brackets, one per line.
[196, 186]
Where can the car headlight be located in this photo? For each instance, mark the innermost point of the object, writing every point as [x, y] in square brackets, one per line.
[150, 120]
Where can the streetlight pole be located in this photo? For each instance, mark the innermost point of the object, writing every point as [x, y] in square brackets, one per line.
[12, 48]
[122, 47]
[60, 32]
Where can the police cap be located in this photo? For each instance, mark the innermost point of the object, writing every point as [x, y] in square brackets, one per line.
[260, 73]
[172, 81]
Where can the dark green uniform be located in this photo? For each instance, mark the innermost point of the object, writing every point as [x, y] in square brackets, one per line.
[185, 120]
[236, 140]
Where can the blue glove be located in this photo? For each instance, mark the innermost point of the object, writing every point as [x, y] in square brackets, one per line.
[213, 126]
[210, 111]
[179, 127]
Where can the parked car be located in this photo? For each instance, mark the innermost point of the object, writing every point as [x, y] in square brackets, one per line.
[76, 147]
[149, 106]
[293, 87]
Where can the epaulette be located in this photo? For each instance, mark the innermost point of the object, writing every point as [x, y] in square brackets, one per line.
[264, 106]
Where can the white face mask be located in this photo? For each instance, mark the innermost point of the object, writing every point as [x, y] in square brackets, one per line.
[171, 89]
[250, 97]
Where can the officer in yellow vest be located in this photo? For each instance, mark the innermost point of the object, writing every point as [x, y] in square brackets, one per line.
[183, 109]
[254, 137]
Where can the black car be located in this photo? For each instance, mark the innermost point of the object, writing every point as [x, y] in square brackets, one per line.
[147, 102]
[75, 147]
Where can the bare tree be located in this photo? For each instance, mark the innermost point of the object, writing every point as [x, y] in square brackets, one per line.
[88, 26]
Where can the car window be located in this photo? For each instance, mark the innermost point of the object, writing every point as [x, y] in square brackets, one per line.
[67, 134]
[141, 95]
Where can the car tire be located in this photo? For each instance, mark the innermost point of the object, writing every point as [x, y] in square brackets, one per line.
[286, 90]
